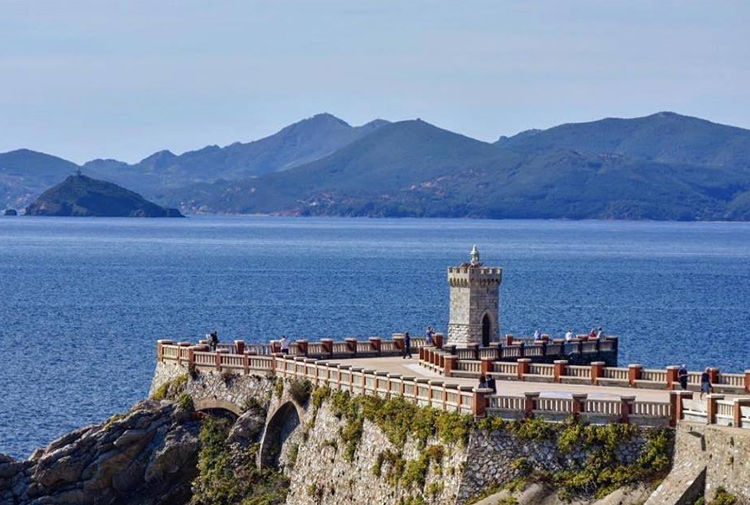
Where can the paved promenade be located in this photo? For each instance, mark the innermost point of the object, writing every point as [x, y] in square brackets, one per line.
[411, 367]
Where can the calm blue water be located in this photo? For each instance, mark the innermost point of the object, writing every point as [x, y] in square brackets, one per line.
[83, 300]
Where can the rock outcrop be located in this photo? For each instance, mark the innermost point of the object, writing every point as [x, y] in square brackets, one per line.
[146, 457]
[10, 212]
[79, 195]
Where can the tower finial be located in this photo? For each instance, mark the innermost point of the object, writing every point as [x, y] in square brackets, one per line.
[475, 257]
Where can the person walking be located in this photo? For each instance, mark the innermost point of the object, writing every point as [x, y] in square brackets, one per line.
[407, 346]
[706, 386]
[682, 376]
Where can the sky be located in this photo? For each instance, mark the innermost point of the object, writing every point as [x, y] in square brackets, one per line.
[124, 79]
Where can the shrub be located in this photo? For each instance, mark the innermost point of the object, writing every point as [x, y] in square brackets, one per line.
[722, 497]
[300, 390]
[171, 389]
[193, 371]
[185, 401]
[252, 404]
[278, 388]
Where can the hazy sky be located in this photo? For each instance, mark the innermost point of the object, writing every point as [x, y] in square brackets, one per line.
[122, 79]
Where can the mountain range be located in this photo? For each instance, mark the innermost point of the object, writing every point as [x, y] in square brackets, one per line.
[663, 166]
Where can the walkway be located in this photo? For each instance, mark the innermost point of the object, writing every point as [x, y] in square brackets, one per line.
[411, 368]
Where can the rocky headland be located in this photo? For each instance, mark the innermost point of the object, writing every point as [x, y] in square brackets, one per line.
[79, 195]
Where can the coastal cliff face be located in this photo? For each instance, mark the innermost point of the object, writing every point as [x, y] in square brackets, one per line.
[147, 456]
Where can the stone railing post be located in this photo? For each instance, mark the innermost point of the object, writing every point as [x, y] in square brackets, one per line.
[450, 364]
[634, 374]
[712, 408]
[180, 346]
[439, 339]
[218, 353]
[508, 339]
[672, 380]
[747, 381]
[737, 411]
[160, 349]
[675, 401]
[375, 344]
[485, 367]
[560, 369]
[275, 346]
[351, 345]
[239, 346]
[191, 354]
[475, 350]
[398, 342]
[436, 385]
[524, 366]
[597, 371]
[246, 364]
[481, 399]
[579, 404]
[327, 344]
[626, 408]
[530, 404]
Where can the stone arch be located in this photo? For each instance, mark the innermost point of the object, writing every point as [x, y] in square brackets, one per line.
[279, 428]
[486, 330]
[215, 404]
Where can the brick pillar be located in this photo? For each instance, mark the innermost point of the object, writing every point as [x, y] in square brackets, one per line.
[597, 371]
[485, 367]
[302, 345]
[439, 339]
[275, 346]
[450, 364]
[398, 342]
[672, 381]
[738, 404]
[747, 381]
[239, 346]
[160, 349]
[375, 344]
[634, 374]
[351, 345]
[626, 408]
[530, 404]
[713, 375]
[579, 404]
[474, 348]
[191, 353]
[246, 363]
[524, 365]
[508, 339]
[481, 398]
[675, 400]
[327, 345]
[560, 369]
[218, 359]
[712, 407]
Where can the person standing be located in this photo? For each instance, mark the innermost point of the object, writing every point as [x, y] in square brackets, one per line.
[600, 333]
[407, 345]
[491, 384]
[213, 342]
[682, 376]
[706, 386]
[537, 334]
[430, 336]
[569, 336]
[284, 343]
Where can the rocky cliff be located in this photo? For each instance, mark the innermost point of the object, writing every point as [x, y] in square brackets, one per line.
[145, 457]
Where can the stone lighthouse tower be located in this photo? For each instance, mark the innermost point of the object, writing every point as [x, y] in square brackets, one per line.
[474, 313]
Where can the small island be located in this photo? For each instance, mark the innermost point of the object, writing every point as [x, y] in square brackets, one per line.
[10, 212]
[79, 195]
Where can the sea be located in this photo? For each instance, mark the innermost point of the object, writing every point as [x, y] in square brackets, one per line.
[83, 300]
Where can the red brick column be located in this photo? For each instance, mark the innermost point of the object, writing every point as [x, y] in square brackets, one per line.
[738, 404]
[508, 339]
[275, 346]
[302, 346]
[713, 375]
[712, 407]
[327, 345]
[672, 380]
[675, 400]
[485, 366]
[398, 342]
[351, 345]
[747, 381]
[524, 365]
[560, 369]
[375, 344]
[160, 349]
[579, 404]
[218, 359]
[246, 363]
[626, 408]
[597, 371]
[239, 346]
[475, 349]
[191, 354]
[450, 364]
[634, 374]
[530, 404]
[481, 398]
[439, 339]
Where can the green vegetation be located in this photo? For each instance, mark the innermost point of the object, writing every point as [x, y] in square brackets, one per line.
[171, 389]
[185, 401]
[278, 388]
[300, 390]
[226, 478]
[252, 404]
[722, 497]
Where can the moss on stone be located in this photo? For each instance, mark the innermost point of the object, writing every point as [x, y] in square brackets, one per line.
[171, 389]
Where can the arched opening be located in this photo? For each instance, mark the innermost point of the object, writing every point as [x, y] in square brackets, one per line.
[486, 329]
[218, 407]
[281, 426]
